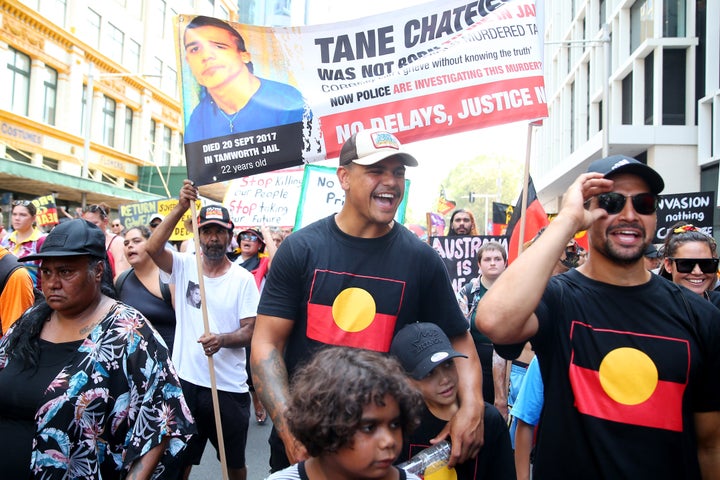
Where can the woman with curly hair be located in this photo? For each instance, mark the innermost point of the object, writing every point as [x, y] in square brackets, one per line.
[351, 410]
[690, 260]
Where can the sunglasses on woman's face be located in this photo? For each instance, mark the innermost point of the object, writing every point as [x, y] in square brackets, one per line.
[687, 265]
[613, 202]
[248, 237]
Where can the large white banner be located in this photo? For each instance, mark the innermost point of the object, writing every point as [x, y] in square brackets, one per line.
[258, 99]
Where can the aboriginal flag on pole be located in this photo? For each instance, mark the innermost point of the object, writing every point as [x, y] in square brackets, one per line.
[353, 310]
[535, 219]
[501, 215]
[629, 378]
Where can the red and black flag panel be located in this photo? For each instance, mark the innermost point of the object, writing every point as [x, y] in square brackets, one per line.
[501, 215]
[627, 377]
[353, 310]
[535, 219]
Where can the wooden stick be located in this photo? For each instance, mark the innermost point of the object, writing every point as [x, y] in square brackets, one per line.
[211, 363]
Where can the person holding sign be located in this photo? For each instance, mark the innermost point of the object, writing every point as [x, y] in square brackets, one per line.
[231, 317]
[354, 279]
[232, 98]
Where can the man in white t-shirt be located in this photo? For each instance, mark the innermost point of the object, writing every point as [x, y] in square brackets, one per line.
[232, 300]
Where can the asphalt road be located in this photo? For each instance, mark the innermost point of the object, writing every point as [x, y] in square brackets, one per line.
[257, 454]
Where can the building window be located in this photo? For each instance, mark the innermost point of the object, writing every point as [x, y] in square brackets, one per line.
[161, 9]
[674, 21]
[115, 43]
[156, 71]
[135, 8]
[709, 183]
[54, 10]
[641, 23]
[627, 100]
[674, 86]
[50, 101]
[649, 90]
[602, 15]
[572, 116]
[84, 106]
[108, 121]
[93, 28]
[170, 80]
[153, 129]
[128, 129]
[133, 58]
[167, 145]
[19, 67]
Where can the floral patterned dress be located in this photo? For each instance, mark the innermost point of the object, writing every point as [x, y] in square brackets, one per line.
[110, 404]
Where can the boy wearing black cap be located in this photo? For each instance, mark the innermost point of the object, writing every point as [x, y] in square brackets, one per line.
[629, 361]
[427, 356]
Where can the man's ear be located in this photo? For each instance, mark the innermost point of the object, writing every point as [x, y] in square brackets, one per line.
[343, 174]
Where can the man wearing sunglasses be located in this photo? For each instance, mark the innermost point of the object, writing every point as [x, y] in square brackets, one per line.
[627, 358]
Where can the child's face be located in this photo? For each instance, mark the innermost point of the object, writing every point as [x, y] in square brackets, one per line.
[375, 445]
[439, 387]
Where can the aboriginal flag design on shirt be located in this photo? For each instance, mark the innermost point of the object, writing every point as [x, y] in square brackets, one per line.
[353, 310]
[629, 378]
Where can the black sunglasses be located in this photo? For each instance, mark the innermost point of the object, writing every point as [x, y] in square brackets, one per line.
[613, 202]
[21, 203]
[686, 265]
[97, 209]
[249, 237]
[154, 224]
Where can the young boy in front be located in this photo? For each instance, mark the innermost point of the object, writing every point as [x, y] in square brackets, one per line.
[351, 410]
[427, 356]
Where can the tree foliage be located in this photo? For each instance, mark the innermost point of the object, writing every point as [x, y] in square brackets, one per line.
[498, 176]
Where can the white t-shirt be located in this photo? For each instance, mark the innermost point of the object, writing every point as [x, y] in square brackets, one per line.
[230, 297]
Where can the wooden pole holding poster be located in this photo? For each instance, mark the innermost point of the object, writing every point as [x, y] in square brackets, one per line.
[211, 362]
[526, 185]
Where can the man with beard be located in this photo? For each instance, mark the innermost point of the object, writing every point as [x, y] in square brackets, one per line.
[629, 361]
[462, 222]
[231, 316]
[354, 279]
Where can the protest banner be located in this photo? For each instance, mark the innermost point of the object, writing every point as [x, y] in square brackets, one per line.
[696, 208]
[46, 209]
[267, 199]
[322, 195]
[429, 70]
[136, 214]
[459, 253]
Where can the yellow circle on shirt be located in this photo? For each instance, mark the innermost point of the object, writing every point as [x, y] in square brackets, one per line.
[443, 473]
[628, 375]
[353, 309]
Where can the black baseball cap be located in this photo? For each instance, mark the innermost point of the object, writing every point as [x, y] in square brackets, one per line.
[71, 239]
[215, 214]
[421, 347]
[615, 164]
[371, 146]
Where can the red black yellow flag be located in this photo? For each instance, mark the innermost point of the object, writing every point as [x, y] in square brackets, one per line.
[628, 377]
[535, 219]
[502, 214]
[353, 310]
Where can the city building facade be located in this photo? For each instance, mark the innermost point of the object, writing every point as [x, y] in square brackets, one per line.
[54, 55]
[640, 78]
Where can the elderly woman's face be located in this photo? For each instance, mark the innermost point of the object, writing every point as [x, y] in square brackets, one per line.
[69, 284]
